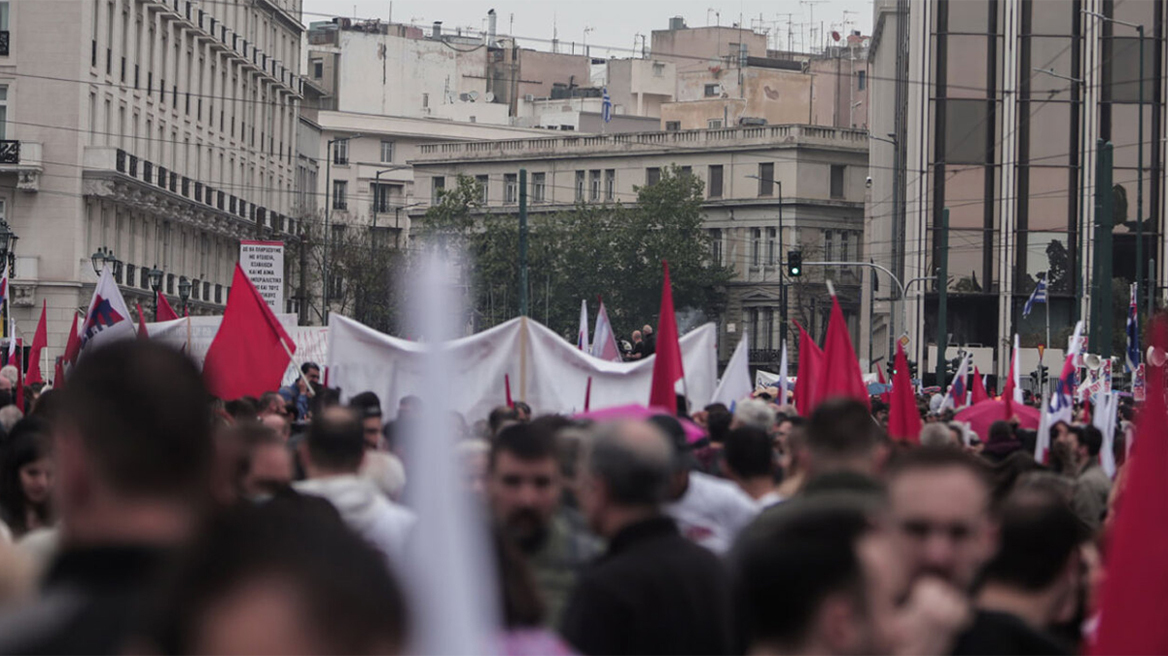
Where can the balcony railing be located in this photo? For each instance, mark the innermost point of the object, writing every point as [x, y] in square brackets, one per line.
[4, 43]
[9, 152]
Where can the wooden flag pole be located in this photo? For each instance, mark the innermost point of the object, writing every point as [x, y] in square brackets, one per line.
[291, 358]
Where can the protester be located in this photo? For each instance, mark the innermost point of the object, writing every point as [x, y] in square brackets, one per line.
[842, 436]
[936, 434]
[332, 456]
[524, 614]
[282, 578]
[791, 444]
[749, 461]
[266, 468]
[280, 424]
[131, 487]
[755, 414]
[1092, 486]
[638, 350]
[653, 591]
[311, 371]
[271, 403]
[386, 472]
[9, 416]
[650, 340]
[526, 492]
[522, 411]
[1001, 443]
[708, 510]
[26, 479]
[501, 417]
[368, 409]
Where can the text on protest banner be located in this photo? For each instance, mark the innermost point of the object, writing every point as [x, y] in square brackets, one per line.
[263, 262]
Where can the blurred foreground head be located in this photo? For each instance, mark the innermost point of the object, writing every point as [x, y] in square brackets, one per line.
[626, 476]
[280, 578]
[133, 446]
[841, 435]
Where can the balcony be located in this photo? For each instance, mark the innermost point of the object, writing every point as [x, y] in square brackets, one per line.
[4, 43]
[24, 159]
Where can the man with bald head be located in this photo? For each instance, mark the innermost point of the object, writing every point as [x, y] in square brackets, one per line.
[653, 591]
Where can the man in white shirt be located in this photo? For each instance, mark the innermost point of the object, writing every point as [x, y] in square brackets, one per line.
[332, 456]
[748, 459]
[708, 510]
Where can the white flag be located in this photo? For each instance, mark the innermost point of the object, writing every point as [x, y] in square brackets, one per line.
[1016, 371]
[1104, 420]
[603, 340]
[735, 384]
[108, 319]
[783, 376]
[582, 334]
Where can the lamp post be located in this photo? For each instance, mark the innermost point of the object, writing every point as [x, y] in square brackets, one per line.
[377, 189]
[782, 269]
[1140, 150]
[184, 291]
[328, 215]
[155, 276]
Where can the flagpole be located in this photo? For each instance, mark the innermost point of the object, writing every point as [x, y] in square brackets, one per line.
[307, 385]
[1045, 378]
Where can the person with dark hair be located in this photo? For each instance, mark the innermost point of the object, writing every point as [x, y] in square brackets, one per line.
[1092, 485]
[1001, 442]
[653, 591]
[332, 455]
[311, 371]
[523, 411]
[1033, 583]
[26, 478]
[842, 435]
[242, 409]
[525, 490]
[500, 417]
[791, 447]
[940, 509]
[718, 422]
[277, 579]
[266, 464]
[1008, 472]
[133, 459]
[749, 461]
[709, 510]
[368, 409]
[271, 403]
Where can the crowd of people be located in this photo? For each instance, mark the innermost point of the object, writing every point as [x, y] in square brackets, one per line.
[142, 515]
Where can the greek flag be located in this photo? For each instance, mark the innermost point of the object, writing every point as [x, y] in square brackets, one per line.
[1132, 354]
[606, 107]
[1037, 296]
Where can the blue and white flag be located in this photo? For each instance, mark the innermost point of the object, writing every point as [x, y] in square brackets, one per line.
[606, 107]
[1037, 296]
[1132, 354]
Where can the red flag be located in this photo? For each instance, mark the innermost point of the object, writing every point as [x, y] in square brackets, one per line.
[142, 332]
[59, 373]
[667, 368]
[250, 353]
[40, 340]
[904, 420]
[979, 390]
[841, 368]
[1135, 591]
[885, 397]
[73, 344]
[165, 312]
[806, 379]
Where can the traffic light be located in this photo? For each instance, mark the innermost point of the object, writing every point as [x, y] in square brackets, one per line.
[794, 263]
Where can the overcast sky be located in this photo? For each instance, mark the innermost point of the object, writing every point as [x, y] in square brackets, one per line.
[612, 23]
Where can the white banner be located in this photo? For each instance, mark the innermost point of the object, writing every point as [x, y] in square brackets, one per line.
[545, 371]
[263, 262]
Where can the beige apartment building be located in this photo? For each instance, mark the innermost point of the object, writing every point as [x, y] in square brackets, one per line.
[768, 190]
[162, 131]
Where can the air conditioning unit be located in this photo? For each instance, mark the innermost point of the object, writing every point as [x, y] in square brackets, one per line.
[529, 98]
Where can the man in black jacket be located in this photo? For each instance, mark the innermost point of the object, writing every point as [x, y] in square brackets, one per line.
[653, 591]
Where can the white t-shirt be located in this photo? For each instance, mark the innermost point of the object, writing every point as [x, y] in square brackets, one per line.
[712, 512]
[769, 499]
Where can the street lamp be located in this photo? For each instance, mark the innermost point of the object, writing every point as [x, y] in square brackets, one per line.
[1140, 148]
[184, 291]
[99, 258]
[782, 280]
[377, 189]
[155, 276]
[328, 215]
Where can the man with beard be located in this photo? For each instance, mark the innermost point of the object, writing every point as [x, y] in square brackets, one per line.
[525, 489]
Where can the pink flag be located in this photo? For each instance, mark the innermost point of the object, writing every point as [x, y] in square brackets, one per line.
[604, 339]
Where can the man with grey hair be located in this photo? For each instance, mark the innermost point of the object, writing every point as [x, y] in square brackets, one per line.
[653, 591]
[754, 413]
[9, 415]
[936, 434]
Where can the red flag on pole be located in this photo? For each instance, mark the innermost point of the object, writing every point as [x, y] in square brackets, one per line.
[841, 368]
[1135, 591]
[142, 332]
[807, 378]
[59, 373]
[165, 312]
[73, 344]
[904, 420]
[885, 397]
[979, 391]
[40, 340]
[251, 351]
[667, 367]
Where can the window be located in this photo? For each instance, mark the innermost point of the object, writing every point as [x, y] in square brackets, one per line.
[387, 152]
[579, 186]
[715, 181]
[652, 176]
[687, 171]
[338, 231]
[861, 80]
[713, 90]
[716, 246]
[767, 334]
[382, 195]
[340, 189]
[658, 69]
[341, 152]
[4, 111]
[714, 123]
[828, 246]
[318, 68]
[594, 185]
[752, 322]
[538, 187]
[610, 184]
[837, 181]
[672, 126]
[965, 131]
[4, 16]
[766, 179]
[770, 246]
[425, 100]
[510, 188]
[484, 190]
[843, 247]
[755, 246]
[437, 186]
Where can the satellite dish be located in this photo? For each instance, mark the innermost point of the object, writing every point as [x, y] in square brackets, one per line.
[473, 95]
[490, 97]
[835, 36]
